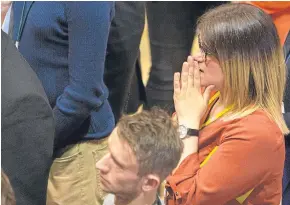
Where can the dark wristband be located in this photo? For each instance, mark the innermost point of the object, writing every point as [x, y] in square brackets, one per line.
[193, 132]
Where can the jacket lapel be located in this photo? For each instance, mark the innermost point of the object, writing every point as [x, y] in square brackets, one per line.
[17, 8]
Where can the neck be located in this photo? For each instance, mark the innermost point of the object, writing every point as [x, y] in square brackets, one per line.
[220, 98]
[142, 199]
[217, 107]
[220, 102]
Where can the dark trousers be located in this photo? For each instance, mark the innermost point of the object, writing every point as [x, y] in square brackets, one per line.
[287, 90]
[122, 53]
[137, 93]
[171, 30]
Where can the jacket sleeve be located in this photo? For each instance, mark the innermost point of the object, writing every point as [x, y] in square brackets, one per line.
[88, 30]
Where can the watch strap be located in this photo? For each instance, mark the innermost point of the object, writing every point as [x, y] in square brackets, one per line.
[192, 132]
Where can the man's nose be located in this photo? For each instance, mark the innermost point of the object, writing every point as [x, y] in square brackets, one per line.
[102, 164]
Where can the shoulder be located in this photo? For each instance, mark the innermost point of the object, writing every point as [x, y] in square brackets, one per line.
[256, 127]
[18, 78]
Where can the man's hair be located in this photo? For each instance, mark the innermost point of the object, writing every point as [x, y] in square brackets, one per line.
[154, 139]
[7, 194]
[245, 41]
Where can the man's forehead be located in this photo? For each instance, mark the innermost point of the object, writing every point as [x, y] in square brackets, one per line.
[121, 150]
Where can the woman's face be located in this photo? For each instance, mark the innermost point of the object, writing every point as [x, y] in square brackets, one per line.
[210, 70]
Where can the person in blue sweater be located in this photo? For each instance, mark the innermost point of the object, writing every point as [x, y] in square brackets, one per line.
[65, 44]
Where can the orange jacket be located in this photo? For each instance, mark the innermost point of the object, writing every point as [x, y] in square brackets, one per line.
[245, 164]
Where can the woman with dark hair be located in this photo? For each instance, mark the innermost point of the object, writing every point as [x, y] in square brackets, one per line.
[233, 142]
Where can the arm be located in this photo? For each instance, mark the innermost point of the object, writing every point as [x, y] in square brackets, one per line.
[27, 124]
[188, 94]
[27, 142]
[88, 30]
[235, 168]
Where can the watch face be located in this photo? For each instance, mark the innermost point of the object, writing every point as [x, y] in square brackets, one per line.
[182, 131]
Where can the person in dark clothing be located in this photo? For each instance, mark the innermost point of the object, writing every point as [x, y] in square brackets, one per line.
[286, 176]
[27, 124]
[65, 44]
[171, 27]
[122, 54]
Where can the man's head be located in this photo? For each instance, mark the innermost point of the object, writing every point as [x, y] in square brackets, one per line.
[143, 149]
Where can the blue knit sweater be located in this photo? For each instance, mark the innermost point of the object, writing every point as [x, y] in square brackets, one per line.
[65, 44]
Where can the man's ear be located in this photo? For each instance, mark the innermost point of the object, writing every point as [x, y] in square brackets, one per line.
[150, 182]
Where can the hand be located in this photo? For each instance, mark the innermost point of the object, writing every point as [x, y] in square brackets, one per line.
[190, 104]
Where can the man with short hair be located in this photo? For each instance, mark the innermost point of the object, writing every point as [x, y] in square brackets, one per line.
[143, 149]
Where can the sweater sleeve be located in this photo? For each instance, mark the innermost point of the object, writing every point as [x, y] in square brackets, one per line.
[88, 31]
[235, 168]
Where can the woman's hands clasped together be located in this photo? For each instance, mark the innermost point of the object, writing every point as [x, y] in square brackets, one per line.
[189, 101]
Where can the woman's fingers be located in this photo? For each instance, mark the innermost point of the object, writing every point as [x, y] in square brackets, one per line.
[190, 71]
[184, 76]
[198, 58]
[189, 77]
[176, 83]
[190, 61]
[196, 79]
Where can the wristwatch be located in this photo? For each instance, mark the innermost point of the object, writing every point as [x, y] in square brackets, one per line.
[185, 131]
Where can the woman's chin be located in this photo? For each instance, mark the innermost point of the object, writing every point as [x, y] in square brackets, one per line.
[205, 83]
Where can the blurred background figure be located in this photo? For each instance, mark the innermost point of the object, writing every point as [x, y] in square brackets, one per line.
[171, 27]
[122, 54]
